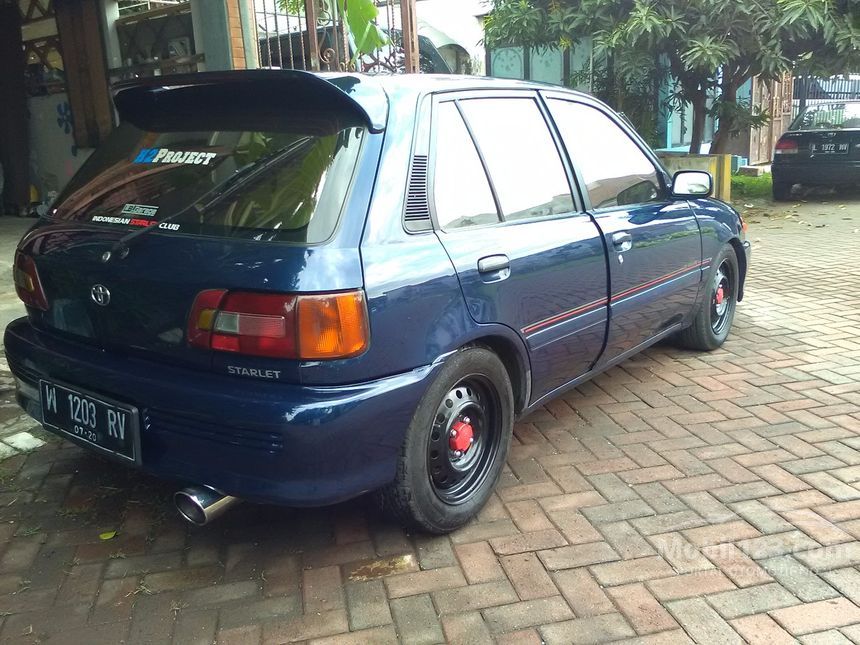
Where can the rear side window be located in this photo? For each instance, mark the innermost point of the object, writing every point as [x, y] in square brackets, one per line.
[615, 170]
[521, 157]
[461, 192]
[267, 184]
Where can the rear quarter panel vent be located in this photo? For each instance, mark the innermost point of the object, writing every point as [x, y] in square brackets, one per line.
[417, 215]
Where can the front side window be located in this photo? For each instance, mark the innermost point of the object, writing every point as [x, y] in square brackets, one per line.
[521, 157]
[615, 170]
[461, 192]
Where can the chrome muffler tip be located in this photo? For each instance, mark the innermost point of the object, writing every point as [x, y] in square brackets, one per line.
[202, 504]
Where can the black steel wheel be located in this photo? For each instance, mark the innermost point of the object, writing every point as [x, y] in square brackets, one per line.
[464, 439]
[455, 446]
[713, 319]
[723, 298]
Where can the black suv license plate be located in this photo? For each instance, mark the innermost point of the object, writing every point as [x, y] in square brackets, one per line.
[108, 426]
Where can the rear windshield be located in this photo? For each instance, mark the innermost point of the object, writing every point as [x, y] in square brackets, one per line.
[259, 183]
[828, 116]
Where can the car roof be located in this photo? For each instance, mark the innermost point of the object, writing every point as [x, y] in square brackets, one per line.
[431, 83]
[410, 87]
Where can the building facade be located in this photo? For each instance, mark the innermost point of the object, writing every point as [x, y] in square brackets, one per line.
[59, 59]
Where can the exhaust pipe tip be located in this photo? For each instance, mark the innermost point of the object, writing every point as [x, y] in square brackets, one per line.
[189, 507]
[199, 505]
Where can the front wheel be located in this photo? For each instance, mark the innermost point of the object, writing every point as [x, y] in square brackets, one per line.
[713, 320]
[455, 446]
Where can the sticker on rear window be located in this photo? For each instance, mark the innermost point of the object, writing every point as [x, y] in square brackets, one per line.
[127, 221]
[139, 210]
[165, 155]
[135, 221]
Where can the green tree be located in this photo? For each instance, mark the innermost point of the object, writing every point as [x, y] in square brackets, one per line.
[709, 46]
[629, 86]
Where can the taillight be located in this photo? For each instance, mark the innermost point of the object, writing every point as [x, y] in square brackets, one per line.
[332, 326]
[202, 317]
[786, 147]
[27, 283]
[307, 327]
[255, 323]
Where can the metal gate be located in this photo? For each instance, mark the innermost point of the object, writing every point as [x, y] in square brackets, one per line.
[314, 35]
[809, 90]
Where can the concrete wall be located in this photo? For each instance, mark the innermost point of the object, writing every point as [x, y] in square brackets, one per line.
[720, 167]
[54, 157]
[226, 33]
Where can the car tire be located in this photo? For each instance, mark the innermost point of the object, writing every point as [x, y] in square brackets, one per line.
[439, 488]
[716, 312]
[781, 191]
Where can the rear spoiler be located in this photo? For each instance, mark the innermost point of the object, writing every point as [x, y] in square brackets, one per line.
[353, 95]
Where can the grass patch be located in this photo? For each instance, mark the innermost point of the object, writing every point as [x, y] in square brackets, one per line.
[743, 186]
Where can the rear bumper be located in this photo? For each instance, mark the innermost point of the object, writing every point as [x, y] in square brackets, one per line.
[262, 441]
[818, 173]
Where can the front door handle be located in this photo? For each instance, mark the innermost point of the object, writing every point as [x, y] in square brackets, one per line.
[622, 241]
[493, 263]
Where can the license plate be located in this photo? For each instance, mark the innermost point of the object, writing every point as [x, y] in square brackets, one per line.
[829, 148]
[108, 426]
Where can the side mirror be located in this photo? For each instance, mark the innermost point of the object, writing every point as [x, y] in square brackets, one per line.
[692, 184]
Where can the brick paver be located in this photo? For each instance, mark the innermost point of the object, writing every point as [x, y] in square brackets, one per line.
[679, 497]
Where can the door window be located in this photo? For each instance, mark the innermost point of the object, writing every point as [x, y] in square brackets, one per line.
[461, 192]
[615, 170]
[521, 157]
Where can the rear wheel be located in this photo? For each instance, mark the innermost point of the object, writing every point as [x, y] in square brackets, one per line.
[455, 446]
[781, 191]
[713, 321]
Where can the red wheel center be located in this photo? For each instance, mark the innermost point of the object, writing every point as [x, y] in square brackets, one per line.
[461, 436]
[720, 295]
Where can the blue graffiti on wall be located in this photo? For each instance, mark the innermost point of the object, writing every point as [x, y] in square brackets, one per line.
[64, 118]
[64, 121]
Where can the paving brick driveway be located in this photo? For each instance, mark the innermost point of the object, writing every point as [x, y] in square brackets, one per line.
[680, 496]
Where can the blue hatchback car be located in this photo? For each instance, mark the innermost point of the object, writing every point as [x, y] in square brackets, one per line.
[297, 288]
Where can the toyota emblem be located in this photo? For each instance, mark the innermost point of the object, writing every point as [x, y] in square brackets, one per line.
[100, 295]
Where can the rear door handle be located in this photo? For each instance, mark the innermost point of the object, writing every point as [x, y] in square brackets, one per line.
[493, 263]
[622, 241]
